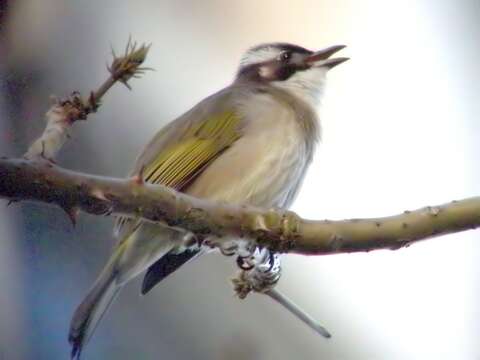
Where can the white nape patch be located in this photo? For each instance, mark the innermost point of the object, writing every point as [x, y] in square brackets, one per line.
[307, 85]
[255, 56]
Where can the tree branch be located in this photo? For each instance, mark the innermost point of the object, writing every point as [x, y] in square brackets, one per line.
[63, 113]
[37, 178]
[280, 231]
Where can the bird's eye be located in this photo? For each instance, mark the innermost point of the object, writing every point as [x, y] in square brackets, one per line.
[285, 56]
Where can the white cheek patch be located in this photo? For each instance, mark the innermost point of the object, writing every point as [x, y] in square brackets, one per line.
[266, 72]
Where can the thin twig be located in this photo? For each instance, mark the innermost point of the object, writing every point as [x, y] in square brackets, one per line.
[298, 312]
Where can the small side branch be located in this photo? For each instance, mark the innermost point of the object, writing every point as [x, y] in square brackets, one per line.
[63, 113]
[280, 231]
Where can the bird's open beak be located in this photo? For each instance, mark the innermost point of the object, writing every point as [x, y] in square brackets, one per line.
[322, 58]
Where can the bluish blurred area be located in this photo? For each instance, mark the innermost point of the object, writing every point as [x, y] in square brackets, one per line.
[401, 131]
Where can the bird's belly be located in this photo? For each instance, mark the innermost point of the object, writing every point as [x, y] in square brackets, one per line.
[261, 169]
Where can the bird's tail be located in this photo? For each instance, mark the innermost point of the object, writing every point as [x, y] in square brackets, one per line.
[89, 313]
[135, 253]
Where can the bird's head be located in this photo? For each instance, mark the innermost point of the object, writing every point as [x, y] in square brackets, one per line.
[290, 67]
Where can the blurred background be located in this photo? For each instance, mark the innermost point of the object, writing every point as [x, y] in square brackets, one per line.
[401, 131]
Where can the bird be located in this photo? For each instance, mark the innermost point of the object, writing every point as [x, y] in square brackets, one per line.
[249, 143]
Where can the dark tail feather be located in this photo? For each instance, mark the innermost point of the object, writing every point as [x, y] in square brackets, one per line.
[165, 266]
[90, 312]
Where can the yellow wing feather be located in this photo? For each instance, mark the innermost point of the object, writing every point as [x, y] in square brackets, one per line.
[179, 163]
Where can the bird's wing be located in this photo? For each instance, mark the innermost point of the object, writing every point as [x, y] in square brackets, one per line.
[181, 150]
[181, 162]
[165, 266]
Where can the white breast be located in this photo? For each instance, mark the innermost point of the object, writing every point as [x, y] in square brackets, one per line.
[264, 166]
